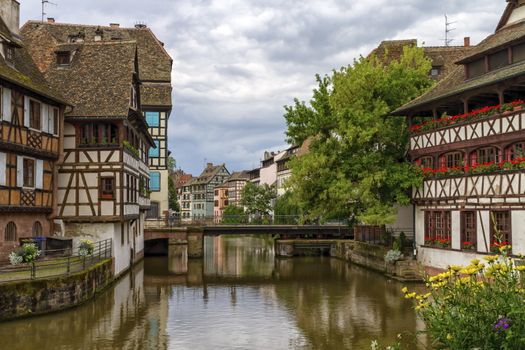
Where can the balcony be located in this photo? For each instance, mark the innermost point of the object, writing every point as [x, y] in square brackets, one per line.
[473, 129]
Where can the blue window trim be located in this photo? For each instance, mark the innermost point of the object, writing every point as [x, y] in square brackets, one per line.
[153, 119]
[155, 152]
[154, 179]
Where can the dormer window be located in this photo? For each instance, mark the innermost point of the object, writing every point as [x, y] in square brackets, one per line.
[435, 71]
[134, 99]
[498, 60]
[63, 58]
[476, 68]
[9, 53]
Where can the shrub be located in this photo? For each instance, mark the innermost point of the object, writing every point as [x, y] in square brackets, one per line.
[85, 247]
[27, 253]
[392, 256]
[478, 306]
[15, 258]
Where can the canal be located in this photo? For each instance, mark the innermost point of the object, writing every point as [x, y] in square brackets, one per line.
[238, 297]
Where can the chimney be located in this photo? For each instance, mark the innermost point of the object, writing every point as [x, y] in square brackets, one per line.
[466, 40]
[114, 25]
[50, 20]
[10, 12]
[209, 165]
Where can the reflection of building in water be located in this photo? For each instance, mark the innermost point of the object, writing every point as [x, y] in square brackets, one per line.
[238, 256]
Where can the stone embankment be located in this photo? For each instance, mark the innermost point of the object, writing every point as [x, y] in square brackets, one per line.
[371, 256]
[36, 297]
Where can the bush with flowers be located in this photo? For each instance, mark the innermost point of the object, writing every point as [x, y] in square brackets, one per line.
[86, 247]
[478, 169]
[480, 306]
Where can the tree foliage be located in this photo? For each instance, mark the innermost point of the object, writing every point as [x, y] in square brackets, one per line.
[356, 165]
[258, 199]
[172, 196]
[286, 210]
[233, 215]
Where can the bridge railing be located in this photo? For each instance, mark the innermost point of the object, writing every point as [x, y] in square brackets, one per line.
[240, 220]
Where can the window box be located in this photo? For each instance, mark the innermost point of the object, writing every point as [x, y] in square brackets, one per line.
[470, 246]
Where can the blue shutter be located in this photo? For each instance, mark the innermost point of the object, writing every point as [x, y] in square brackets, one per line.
[153, 119]
[154, 181]
[155, 152]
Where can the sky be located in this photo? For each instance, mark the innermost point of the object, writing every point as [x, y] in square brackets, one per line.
[237, 63]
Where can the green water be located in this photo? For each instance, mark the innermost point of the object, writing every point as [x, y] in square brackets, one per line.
[238, 297]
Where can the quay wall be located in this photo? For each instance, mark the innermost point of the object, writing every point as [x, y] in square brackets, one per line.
[30, 298]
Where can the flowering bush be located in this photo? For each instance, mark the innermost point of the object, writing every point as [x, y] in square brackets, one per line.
[484, 168]
[479, 306]
[496, 245]
[430, 241]
[393, 255]
[476, 114]
[15, 258]
[467, 245]
[85, 247]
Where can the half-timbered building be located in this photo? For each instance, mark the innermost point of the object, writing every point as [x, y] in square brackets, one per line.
[468, 137]
[154, 64]
[103, 178]
[31, 124]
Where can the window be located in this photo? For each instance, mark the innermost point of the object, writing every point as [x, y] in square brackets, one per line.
[451, 160]
[29, 172]
[500, 228]
[154, 211]
[9, 52]
[155, 152]
[426, 162]
[154, 182]
[10, 232]
[153, 119]
[63, 58]
[518, 53]
[97, 134]
[499, 59]
[468, 230]
[437, 228]
[435, 71]
[34, 115]
[515, 151]
[476, 68]
[37, 229]
[486, 155]
[134, 99]
[107, 188]
[216, 203]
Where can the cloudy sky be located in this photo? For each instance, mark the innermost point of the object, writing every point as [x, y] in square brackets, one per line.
[238, 62]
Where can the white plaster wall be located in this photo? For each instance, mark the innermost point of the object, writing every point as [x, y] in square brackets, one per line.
[483, 231]
[420, 226]
[268, 175]
[162, 196]
[442, 258]
[404, 220]
[518, 231]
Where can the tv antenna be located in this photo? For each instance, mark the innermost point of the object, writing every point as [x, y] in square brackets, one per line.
[44, 3]
[448, 30]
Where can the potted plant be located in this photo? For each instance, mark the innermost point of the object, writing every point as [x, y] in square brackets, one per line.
[467, 245]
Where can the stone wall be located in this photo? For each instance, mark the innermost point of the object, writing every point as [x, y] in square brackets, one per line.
[24, 228]
[29, 298]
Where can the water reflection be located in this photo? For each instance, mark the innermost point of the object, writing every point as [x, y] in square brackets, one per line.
[238, 297]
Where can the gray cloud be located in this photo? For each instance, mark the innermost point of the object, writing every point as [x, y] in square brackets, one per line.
[237, 62]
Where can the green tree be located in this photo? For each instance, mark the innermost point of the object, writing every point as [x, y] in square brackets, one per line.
[172, 196]
[286, 210]
[172, 164]
[233, 215]
[356, 166]
[258, 199]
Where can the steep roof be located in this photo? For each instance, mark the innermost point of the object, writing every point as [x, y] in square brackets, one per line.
[456, 83]
[99, 79]
[23, 71]
[239, 176]
[155, 64]
[209, 173]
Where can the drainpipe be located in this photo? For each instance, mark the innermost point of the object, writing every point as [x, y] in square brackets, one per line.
[414, 228]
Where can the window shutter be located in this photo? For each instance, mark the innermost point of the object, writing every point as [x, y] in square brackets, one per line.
[20, 171]
[39, 180]
[51, 114]
[26, 111]
[3, 169]
[45, 118]
[6, 104]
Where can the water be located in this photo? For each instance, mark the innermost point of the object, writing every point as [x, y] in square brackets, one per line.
[238, 297]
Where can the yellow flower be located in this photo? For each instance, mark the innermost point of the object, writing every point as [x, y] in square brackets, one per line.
[449, 336]
[410, 295]
[520, 268]
[475, 262]
[491, 258]
[404, 290]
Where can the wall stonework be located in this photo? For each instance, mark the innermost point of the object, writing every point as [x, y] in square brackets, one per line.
[24, 228]
[30, 298]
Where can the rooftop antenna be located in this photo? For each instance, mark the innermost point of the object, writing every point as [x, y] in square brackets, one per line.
[44, 3]
[448, 30]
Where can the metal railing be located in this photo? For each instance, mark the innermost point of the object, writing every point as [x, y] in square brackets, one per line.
[381, 235]
[238, 220]
[56, 267]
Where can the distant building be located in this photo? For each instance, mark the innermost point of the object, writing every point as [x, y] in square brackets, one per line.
[235, 184]
[443, 57]
[184, 198]
[220, 201]
[283, 171]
